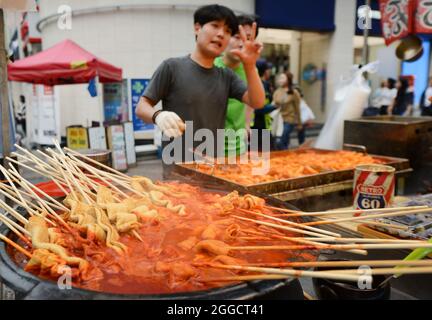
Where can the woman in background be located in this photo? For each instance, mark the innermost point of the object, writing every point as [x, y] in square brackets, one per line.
[403, 103]
[387, 95]
[288, 100]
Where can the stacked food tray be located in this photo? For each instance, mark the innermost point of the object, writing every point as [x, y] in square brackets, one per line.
[306, 186]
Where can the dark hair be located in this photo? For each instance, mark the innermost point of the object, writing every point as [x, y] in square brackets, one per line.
[248, 20]
[262, 66]
[402, 90]
[391, 83]
[216, 12]
[290, 78]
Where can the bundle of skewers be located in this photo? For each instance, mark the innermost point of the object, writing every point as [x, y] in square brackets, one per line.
[150, 232]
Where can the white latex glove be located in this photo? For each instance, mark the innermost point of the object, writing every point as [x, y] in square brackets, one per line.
[170, 124]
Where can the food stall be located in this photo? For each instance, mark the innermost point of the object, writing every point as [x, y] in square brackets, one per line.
[202, 240]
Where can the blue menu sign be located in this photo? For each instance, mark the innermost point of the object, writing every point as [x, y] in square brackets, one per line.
[137, 89]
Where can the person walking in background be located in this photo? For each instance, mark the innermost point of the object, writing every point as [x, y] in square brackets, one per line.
[288, 100]
[262, 120]
[426, 100]
[20, 119]
[403, 103]
[387, 95]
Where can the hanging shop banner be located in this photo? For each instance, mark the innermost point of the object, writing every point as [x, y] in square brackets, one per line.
[137, 89]
[77, 138]
[45, 120]
[117, 145]
[423, 22]
[396, 19]
[115, 105]
[97, 138]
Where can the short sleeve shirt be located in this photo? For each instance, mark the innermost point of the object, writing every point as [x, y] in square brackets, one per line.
[195, 93]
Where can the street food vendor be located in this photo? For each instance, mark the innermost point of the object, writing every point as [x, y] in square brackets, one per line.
[191, 88]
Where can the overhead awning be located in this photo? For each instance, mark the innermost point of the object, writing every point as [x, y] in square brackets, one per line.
[305, 15]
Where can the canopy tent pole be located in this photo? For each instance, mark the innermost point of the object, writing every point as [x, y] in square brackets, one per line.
[4, 94]
[365, 51]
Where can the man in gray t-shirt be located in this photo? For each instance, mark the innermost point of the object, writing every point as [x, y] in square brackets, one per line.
[192, 89]
[195, 93]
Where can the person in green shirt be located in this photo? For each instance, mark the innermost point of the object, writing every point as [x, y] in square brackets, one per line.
[235, 119]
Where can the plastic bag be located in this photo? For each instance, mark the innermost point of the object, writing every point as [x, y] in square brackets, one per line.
[306, 112]
[350, 99]
[277, 123]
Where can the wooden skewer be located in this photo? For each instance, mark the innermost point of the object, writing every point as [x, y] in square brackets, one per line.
[420, 270]
[12, 184]
[13, 225]
[283, 209]
[342, 246]
[381, 224]
[16, 246]
[293, 213]
[310, 241]
[110, 177]
[61, 187]
[58, 180]
[340, 240]
[14, 228]
[30, 157]
[277, 226]
[246, 278]
[71, 171]
[362, 240]
[371, 216]
[5, 189]
[98, 163]
[74, 181]
[136, 234]
[28, 186]
[9, 194]
[382, 271]
[320, 245]
[13, 213]
[292, 272]
[87, 184]
[31, 188]
[355, 263]
[91, 169]
[297, 225]
[43, 173]
[54, 163]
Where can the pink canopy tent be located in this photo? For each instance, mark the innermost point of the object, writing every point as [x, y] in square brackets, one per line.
[64, 63]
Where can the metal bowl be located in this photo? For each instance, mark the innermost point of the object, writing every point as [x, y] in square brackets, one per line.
[410, 48]
[28, 286]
